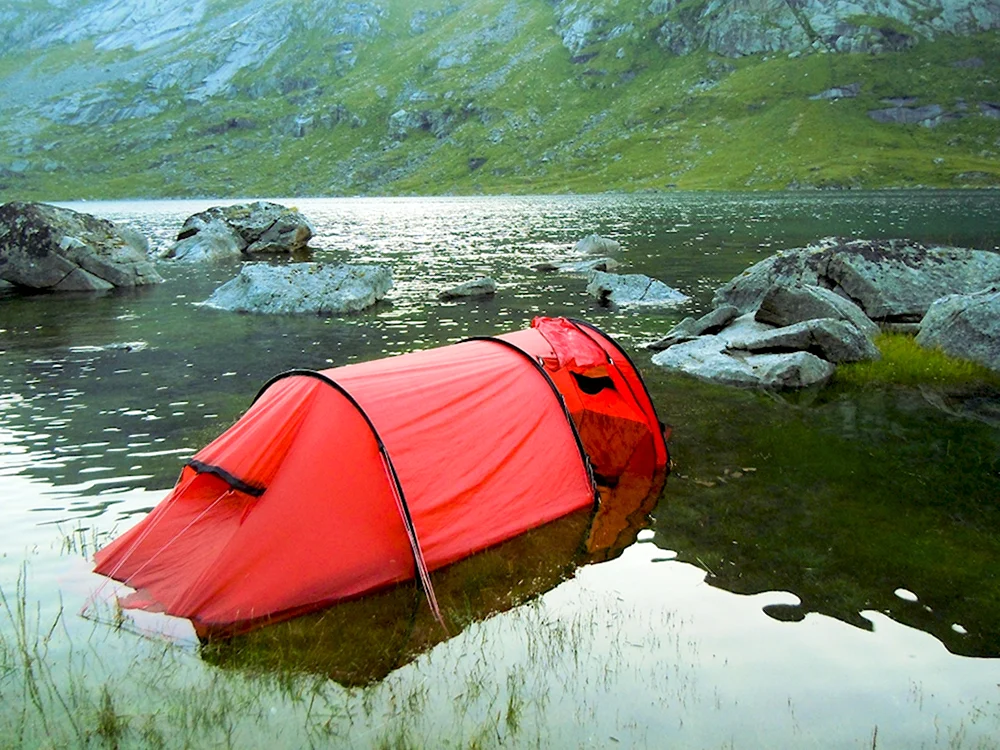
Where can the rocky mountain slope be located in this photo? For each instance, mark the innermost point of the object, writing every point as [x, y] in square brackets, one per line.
[141, 98]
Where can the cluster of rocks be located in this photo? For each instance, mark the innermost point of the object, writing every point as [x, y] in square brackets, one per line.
[737, 29]
[787, 321]
[608, 288]
[907, 110]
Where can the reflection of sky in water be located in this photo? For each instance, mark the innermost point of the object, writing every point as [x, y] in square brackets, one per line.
[103, 397]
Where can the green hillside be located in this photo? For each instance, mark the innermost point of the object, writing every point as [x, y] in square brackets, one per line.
[517, 112]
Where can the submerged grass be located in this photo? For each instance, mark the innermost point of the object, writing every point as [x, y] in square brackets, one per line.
[904, 362]
[843, 495]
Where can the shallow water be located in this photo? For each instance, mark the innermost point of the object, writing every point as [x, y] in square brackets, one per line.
[816, 507]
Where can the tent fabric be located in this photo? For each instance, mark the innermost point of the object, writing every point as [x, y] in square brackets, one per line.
[339, 482]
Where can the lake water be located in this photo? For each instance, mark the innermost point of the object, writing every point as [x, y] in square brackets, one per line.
[821, 569]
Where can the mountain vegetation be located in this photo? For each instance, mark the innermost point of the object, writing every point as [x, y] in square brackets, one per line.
[164, 98]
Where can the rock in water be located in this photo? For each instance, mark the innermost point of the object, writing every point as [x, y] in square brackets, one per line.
[576, 266]
[327, 289]
[966, 326]
[594, 244]
[890, 280]
[481, 287]
[244, 229]
[47, 247]
[631, 289]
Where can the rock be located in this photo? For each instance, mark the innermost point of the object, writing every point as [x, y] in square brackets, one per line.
[594, 244]
[327, 289]
[707, 358]
[787, 267]
[784, 305]
[795, 370]
[481, 287]
[46, 247]
[900, 282]
[214, 242]
[849, 91]
[830, 339]
[691, 328]
[966, 326]
[890, 280]
[989, 109]
[576, 266]
[243, 229]
[929, 116]
[631, 289]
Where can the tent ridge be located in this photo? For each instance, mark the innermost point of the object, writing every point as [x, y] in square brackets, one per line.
[562, 405]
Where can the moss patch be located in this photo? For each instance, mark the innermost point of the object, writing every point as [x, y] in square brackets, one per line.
[904, 362]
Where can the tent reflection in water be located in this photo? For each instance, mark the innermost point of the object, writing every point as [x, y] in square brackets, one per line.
[344, 482]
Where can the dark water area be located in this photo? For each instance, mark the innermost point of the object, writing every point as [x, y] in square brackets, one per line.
[821, 518]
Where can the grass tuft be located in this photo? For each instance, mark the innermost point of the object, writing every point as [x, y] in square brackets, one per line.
[111, 726]
[904, 362]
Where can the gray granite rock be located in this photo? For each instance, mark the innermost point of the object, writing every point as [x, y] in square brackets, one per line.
[594, 244]
[327, 289]
[784, 304]
[833, 340]
[710, 358]
[890, 280]
[576, 266]
[689, 328]
[57, 249]
[966, 326]
[243, 229]
[631, 289]
[481, 287]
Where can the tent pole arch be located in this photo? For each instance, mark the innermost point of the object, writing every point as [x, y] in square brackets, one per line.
[397, 488]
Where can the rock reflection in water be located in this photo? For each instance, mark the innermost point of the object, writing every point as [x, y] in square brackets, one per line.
[362, 641]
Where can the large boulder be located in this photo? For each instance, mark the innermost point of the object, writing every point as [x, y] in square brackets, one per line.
[631, 289]
[481, 287]
[47, 247]
[966, 326]
[327, 289]
[833, 340]
[244, 229]
[891, 280]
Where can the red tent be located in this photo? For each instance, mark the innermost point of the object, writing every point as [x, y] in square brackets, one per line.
[339, 482]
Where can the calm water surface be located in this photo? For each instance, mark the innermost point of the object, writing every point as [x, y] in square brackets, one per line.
[821, 569]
